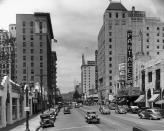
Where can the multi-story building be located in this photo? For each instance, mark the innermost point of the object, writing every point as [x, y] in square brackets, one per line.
[147, 36]
[96, 71]
[12, 30]
[33, 49]
[7, 54]
[87, 77]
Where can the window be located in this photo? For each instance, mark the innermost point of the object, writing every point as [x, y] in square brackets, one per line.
[147, 46]
[41, 57]
[147, 28]
[24, 57]
[110, 77]
[110, 65]
[110, 27]
[163, 41]
[32, 58]
[41, 71]
[24, 64]
[110, 46]
[163, 28]
[157, 28]
[110, 39]
[32, 38]
[110, 52]
[41, 64]
[31, 23]
[110, 58]
[110, 71]
[32, 71]
[110, 15]
[32, 44]
[24, 71]
[24, 51]
[149, 76]
[24, 37]
[157, 34]
[24, 78]
[41, 44]
[147, 40]
[110, 83]
[32, 78]
[123, 15]
[23, 23]
[41, 51]
[110, 33]
[32, 64]
[32, 51]
[163, 46]
[157, 40]
[147, 53]
[157, 47]
[147, 34]
[116, 15]
[24, 44]
[14, 108]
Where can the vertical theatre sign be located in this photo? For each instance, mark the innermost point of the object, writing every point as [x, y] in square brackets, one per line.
[129, 60]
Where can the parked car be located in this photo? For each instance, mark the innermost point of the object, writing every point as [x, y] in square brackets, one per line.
[150, 114]
[133, 109]
[45, 120]
[104, 110]
[66, 110]
[92, 117]
[120, 110]
[112, 106]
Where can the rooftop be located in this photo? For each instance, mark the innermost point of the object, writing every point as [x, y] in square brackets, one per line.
[116, 6]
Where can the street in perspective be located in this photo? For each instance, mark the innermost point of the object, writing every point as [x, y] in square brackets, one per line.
[82, 65]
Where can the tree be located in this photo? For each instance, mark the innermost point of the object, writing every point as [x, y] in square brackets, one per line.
[76, 95]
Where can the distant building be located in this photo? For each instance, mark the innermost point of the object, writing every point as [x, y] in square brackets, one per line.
[87, 77]
[113, 49]
[12, 30]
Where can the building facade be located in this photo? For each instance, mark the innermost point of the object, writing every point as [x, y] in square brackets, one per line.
[33, 49]
[87, 77]
[147, 37]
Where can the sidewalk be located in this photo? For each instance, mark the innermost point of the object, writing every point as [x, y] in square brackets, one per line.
[21, 125]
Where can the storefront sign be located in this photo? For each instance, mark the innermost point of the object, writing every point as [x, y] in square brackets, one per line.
[27, 108]
[129, 58]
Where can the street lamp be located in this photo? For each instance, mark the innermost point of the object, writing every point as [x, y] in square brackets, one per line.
[27, 109]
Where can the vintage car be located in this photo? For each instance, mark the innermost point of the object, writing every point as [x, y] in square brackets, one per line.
[45, 120]
[120, 110]
[134, 109]
[150, 114]
[92, 117]
[66, 110]
[104, 110]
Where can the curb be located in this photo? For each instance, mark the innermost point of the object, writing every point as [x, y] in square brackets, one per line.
[37, 129]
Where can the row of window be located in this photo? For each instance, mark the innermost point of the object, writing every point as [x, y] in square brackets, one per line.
[31, 44]
[32, 64]
[32, 58]
[31, 23]
[24, 30]
[158, 47]
[32, 37]
[158, 28]
[149, 53]
[116, 15]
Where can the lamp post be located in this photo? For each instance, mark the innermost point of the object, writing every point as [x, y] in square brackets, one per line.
[27, 109]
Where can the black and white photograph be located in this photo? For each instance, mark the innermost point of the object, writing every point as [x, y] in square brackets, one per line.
[81, 65]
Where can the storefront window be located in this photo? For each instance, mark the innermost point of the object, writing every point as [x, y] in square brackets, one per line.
[14, 108]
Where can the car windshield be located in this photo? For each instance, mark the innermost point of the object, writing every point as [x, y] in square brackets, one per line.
[91, 113]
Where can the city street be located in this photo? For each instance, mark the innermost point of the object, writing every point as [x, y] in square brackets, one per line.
[114, 122]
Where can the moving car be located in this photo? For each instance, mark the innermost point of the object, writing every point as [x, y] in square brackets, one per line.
[120, 110]
[66, 110]
[150, 114]
[104, 110]
[46, 120]
[112, 106]
[92, 117]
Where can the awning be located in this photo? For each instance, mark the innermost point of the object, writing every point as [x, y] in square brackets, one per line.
[140, 99]
[160, 102]
[154, 98]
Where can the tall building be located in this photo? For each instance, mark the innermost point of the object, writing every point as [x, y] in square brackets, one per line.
[87, 77]
[96, 71]
[123, 34]
[7, 54]
[33, 49]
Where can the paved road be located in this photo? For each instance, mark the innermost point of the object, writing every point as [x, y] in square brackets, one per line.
[76, 122]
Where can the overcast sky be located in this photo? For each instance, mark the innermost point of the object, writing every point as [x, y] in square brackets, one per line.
[76, 24]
